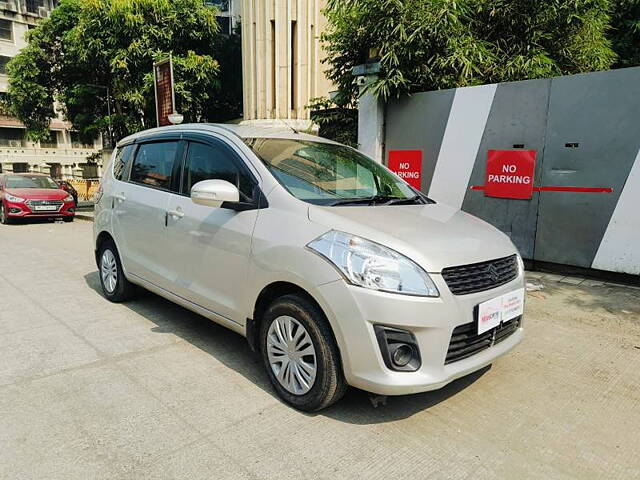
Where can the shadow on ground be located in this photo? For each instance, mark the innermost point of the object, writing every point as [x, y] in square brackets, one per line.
[232, 350]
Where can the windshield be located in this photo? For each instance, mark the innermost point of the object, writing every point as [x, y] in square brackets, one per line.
[26, 181]
[330, 174]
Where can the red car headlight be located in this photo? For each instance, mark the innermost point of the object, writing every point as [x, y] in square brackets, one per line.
[14, 199]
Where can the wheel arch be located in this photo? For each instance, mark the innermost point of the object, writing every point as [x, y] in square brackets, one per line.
[267, 296]
[102, 237]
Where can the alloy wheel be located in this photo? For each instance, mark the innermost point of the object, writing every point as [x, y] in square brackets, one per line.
[291, 355]
[109, 271]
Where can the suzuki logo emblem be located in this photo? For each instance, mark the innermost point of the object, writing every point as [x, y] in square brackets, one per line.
[493, 273]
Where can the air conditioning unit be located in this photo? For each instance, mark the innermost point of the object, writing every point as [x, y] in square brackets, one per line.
[43, 12]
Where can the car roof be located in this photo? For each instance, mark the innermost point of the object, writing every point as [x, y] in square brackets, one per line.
[24, 174]
[241, 131]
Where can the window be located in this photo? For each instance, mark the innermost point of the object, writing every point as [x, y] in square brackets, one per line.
[51, 142]
[78, 142]
[121, 161]
[153, 165]
[12, 137]
[33, 5]
[55, 170]
[3, 64]
[205, 162]
[6, 29]
[25, 181]
[20, 168]
[325, 173]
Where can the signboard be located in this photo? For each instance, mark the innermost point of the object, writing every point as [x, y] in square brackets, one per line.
[165, 99]
[510, 173]
[407, 164]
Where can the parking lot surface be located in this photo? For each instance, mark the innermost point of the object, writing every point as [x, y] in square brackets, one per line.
[89, 389]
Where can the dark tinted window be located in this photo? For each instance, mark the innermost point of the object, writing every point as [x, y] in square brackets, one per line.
[153, 165]
[121, 161]
[205, 162]
[26, 181]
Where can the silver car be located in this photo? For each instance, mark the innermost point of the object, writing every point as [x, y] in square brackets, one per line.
[337, 271]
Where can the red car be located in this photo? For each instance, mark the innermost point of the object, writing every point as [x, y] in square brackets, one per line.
[29, 195]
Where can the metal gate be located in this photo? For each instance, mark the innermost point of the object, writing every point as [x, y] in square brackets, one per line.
[586, 132]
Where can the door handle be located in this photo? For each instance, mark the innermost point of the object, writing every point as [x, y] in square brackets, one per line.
[175, 213]
[120, 197]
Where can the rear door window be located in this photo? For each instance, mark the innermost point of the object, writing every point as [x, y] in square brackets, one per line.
[153, 165]
[121, 162]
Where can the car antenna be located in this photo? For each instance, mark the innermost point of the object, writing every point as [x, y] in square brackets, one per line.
[292, 129]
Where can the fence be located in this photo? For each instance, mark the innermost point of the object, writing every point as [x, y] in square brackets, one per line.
[86, 189]
[585, 133]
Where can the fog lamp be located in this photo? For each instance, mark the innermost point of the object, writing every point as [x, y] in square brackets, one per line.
[399, 349]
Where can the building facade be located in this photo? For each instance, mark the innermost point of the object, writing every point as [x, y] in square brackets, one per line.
[63, 155]
[228, 14]
[281, 59]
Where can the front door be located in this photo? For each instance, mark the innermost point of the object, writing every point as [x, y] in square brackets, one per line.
[211, 246]
[140, 206]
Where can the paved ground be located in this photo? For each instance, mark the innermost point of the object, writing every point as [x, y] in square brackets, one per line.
[149, 390]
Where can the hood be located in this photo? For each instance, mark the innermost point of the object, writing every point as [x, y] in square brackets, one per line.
[38, 193]
[434, 236]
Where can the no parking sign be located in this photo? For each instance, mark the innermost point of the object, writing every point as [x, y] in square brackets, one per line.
[407, 164]
[510, 173]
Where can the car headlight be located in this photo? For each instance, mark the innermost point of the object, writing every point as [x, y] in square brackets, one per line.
[371, 265]
[13, 199]
[69, 198]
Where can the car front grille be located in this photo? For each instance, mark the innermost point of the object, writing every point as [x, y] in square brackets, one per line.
[465, 340]
[478, 277]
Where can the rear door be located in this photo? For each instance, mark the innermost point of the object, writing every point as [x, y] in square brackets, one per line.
[140, 206]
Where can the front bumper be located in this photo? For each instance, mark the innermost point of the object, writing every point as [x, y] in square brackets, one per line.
[23, 210]
[353, 311]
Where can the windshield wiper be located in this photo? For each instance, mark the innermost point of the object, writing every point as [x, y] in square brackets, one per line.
[417, 199]
[366, 200]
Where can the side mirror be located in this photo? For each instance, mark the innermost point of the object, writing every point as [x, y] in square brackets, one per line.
[212, 193]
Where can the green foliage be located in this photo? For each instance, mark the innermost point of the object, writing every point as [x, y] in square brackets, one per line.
[428, 45]
[87, 45]
[336, 122]
[625, 35]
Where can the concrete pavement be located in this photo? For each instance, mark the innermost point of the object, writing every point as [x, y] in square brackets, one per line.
[89, 389]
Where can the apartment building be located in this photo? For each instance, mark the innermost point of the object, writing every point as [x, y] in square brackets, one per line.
[62, 155]
[228, 14]
[281, 60]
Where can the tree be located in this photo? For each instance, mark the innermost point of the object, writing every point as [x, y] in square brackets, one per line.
[427, 45]
[88, 49]
[625, 32]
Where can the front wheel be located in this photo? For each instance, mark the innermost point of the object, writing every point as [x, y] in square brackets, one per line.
[4, 218]
[300, 354]
[115, 285]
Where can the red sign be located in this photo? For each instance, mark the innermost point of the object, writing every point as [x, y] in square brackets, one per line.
[163, 79]
[510, 173]
[407, 164]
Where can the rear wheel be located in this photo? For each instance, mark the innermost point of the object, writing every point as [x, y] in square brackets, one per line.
[300, 354]
[115, 285]
[4, 218]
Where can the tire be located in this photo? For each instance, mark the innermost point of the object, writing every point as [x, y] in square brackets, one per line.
[328, 384]
[115, 286]
[4, 219]
[68, 219]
